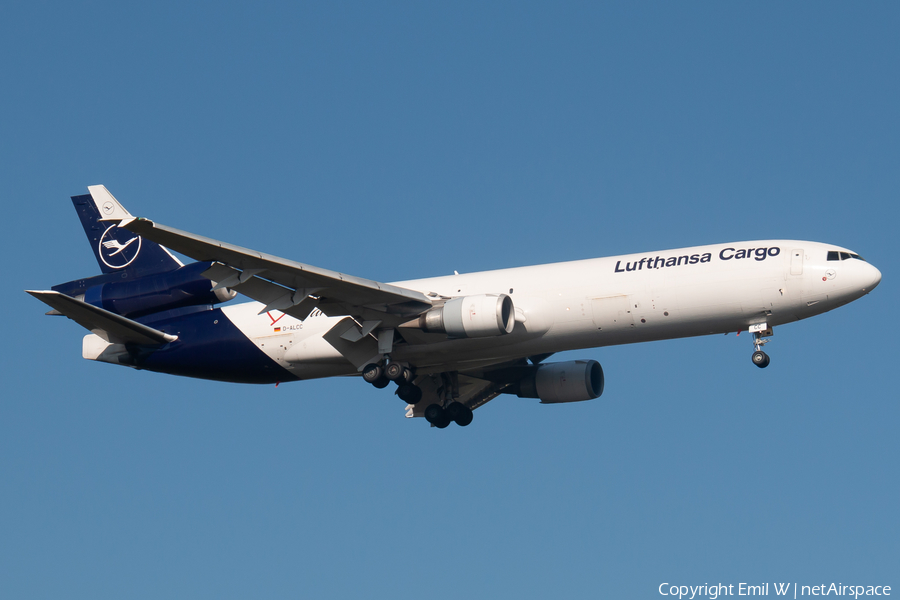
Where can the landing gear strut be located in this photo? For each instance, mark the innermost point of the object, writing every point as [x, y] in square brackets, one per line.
[760, 358]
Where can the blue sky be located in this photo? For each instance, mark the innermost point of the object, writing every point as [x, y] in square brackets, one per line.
[403, 140]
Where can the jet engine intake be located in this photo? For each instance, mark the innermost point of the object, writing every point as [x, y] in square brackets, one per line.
[571, 381]
[482, 315]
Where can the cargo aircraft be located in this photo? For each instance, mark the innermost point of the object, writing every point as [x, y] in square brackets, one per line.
[448, 344]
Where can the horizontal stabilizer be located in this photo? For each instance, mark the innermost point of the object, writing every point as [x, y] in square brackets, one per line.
[111, 327]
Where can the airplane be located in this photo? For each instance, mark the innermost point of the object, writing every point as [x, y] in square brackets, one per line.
[449, 344]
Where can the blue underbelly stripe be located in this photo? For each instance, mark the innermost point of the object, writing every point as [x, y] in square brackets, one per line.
[210, 346]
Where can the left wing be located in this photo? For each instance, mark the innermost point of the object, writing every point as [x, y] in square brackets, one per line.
[287, 286]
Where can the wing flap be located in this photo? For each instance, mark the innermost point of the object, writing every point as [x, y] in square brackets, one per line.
[111, 327]
[359, 351]
[296, 303]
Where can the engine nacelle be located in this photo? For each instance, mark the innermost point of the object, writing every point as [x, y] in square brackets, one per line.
[133, 298]
[483, 315]
[571, 381]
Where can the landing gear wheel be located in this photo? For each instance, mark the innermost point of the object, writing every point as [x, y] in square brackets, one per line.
[760, 359]
[462, 415]
[372, 372]
[382, 382]
[411, 394]
[394, 371]
[454, 410]
[434, 414]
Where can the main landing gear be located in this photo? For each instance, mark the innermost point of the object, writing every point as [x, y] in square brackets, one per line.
[760, 358]
[440, 415]
[456, 412]
[380, 377]
[436, 414]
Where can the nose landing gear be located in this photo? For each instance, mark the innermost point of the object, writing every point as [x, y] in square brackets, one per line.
[760, 358]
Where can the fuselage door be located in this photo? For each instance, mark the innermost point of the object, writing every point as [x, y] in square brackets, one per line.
[796, 262]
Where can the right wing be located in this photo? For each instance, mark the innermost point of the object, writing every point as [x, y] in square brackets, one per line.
[287, 286]
[111, 327]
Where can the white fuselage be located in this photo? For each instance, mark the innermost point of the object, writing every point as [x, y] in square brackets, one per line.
[599, 302]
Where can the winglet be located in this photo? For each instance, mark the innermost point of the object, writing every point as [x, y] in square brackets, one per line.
[109, 207]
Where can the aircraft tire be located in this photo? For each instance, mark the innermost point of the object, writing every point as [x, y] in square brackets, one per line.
[465, 417]
[454, 410]
[760, 359]
[394, 371]
[372, 372]
[381, 383]
[434, 413]
[411, 394]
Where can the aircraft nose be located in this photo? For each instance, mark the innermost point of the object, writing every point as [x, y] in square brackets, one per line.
[874, 279]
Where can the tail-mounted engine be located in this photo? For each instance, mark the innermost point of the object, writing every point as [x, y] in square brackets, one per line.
[484, 315]
[133, 298]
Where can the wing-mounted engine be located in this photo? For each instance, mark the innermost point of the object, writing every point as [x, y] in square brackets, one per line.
[553, 383]
[482, 315]
[184, 286]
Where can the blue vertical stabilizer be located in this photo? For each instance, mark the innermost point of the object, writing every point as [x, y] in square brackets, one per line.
[118, 250]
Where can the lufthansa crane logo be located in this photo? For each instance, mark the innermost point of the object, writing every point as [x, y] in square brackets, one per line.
[117, 249]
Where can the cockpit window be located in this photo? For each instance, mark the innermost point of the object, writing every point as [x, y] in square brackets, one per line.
[834, 255]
